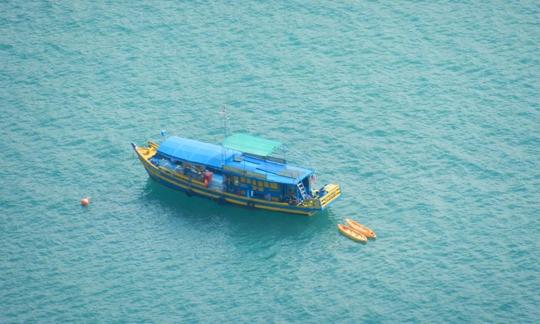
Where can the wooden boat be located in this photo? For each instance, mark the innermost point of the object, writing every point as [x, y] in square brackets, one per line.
[362, 229]
[241, 171]
[350, 233]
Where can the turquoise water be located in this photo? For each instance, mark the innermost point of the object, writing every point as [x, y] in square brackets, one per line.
[428, 115]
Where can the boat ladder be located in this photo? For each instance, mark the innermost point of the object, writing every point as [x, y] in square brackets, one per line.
[302, 189]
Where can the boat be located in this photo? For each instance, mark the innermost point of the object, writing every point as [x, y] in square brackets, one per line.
[241, 171]
[362, 229]
[352, 234]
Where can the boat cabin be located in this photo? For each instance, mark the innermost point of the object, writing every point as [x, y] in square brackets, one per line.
[242, 166]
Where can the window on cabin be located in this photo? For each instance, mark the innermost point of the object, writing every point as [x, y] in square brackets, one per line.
[273, 185]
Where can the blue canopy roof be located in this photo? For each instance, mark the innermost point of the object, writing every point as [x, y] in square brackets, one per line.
[194, 151]
[217, 156]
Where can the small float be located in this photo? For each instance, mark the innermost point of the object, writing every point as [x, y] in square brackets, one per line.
[85, 201]
[361, 229]
[350, 233]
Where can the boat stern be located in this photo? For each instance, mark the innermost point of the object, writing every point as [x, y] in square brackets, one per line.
[322, 198]
[328, 194]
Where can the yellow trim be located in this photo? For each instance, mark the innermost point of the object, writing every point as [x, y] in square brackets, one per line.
[183, 186]
[236, 202]
[286, 210]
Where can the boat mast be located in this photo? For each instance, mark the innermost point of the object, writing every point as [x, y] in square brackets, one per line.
[224, 117]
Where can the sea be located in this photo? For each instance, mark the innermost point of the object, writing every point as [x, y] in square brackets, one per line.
[427, 113]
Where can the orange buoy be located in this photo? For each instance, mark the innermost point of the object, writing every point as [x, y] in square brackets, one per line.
[85, 202]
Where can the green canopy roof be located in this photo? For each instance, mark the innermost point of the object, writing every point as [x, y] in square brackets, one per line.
[251, 144]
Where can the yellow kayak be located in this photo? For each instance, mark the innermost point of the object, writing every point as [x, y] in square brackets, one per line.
[364, 230]
[350, 233]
